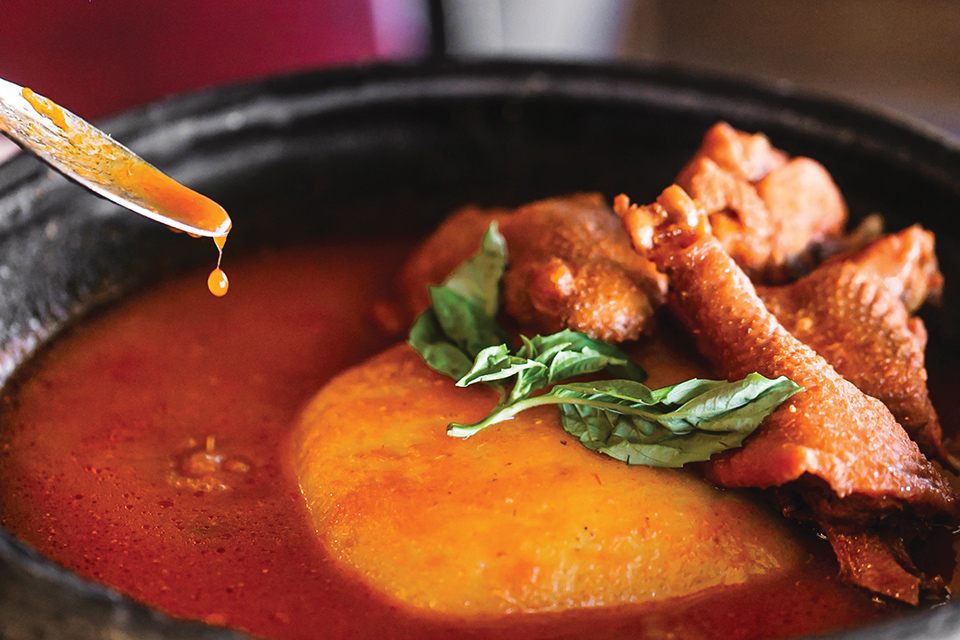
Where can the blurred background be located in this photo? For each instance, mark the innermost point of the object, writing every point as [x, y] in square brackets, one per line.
[99, 56]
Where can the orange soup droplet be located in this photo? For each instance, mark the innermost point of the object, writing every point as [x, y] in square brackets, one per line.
[218, 283]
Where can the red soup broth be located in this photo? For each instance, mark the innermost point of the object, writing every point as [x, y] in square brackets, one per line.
[146, 449]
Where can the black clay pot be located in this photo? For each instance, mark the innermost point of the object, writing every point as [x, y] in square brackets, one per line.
[332, 153]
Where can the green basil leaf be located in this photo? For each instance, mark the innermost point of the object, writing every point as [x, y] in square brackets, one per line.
[496, 364]
[461, 321]
[464, 322]
[667, 427]
[478, 279]
[428, 339]
[546, 360]
[617, 363]
[718, 417]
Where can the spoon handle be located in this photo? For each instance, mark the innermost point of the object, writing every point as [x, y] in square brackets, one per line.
[93, 159]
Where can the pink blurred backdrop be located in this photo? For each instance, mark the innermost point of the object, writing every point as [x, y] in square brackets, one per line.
[100, 56]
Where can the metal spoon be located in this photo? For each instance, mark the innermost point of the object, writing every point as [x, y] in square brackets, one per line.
[90, 157]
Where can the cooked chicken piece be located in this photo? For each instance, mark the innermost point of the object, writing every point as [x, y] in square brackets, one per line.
[907, 264]
[750, 156]
[876, 562]
[769, 212]
[570, 266]
[841, 451]
[853, 316]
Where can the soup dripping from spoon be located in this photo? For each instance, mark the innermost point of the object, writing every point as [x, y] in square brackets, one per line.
[91, 158]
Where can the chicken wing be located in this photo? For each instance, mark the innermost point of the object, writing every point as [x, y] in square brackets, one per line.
[851, 312]
[855, 470]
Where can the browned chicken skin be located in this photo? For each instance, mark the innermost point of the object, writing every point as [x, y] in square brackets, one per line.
[841, 451]
[906, 263]
[851, 311]
[570, 266]
[768, 211]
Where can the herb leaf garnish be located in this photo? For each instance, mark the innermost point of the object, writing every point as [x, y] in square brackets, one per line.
[461, 321]
[668, 427]
[686, 422]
